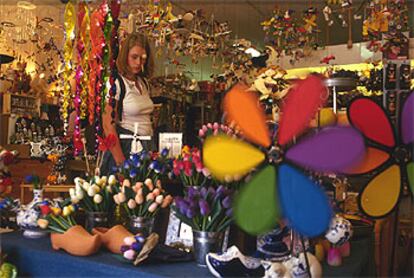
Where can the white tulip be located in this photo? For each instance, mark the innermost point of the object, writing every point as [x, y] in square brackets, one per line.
[104, 180]
[97, 199]
[91, 191]
[72, 192]
[74, 200]
[112, 180]
[80, 195]
[97, 180]
[86, 185]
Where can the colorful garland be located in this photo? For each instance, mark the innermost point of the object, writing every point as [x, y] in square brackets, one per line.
[115, 9]
[70, 21]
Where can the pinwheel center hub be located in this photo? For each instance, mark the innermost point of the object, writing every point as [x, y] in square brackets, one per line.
[401, 154]
[275, 154]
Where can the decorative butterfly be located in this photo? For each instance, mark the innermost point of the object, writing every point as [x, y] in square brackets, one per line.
[279, 188]
[389, 152]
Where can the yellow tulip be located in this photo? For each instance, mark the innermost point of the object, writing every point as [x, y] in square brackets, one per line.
[43, 223]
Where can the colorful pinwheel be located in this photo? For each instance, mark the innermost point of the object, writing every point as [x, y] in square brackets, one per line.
[279, 188]
[390, 153]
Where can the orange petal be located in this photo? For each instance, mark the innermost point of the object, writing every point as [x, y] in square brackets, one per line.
[382, 193]
[243, 108]
[373, 158]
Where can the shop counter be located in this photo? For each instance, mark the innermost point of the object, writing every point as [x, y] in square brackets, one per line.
[35, 257]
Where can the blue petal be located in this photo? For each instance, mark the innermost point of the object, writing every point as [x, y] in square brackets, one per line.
[304, 204]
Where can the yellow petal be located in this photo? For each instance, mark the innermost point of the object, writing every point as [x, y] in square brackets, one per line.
[226, 156]
[381, 194]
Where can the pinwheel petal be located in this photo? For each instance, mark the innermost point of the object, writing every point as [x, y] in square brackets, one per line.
[382, 193]
[372, 159]
[303, 203]
[255, 207]
[410, 173]
[371, 120]
[330, 150]
[226, 156]
[243, 108]
[407, 120]
[300, 107]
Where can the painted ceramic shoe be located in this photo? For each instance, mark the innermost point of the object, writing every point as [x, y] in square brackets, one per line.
[233, 263]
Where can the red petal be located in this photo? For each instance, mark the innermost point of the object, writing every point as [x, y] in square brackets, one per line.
[302, 103]
[371, 120]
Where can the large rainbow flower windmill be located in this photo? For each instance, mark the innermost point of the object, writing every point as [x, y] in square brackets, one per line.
[279, 188]
[389, 153]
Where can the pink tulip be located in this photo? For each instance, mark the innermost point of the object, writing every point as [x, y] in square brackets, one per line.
[158, 184]
[150, 196]
[201, 133]
[334, 257]
[216, 126]
[152, 207]
[156, 192]
[167, 201]
[129, 240]
[129, 254]
[139, 198]
[204, 128]
[209, 125]
[206, 172]
[159, 199]
[216, 132]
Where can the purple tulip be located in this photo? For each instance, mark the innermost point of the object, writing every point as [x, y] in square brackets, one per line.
[229, 212]
[211, 191]
[137, 246]
[190, 213]
[126, 165]
[203, 192]
[226, 202]
[165, 152]
[204, 207]
[124, 248]
[192, 192]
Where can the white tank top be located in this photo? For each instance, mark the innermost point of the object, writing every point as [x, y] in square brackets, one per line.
[137, 106]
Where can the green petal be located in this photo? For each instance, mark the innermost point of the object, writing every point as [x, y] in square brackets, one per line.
[255, 208]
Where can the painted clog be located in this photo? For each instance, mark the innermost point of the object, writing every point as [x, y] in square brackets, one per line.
[112, 238]
[76, 241]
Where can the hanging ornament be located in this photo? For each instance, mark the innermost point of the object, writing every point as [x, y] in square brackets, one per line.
[115, 9]
[69, 24]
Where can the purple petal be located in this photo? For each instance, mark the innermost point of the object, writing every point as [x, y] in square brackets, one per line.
[226, 202]
[407, 121]
[204, 207]
[333, 149]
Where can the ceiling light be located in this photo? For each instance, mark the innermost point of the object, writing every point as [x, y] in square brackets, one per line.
[26, 5]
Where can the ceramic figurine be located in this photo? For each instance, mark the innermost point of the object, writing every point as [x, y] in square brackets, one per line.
[297, 266]
[275, 270]
[340, 231]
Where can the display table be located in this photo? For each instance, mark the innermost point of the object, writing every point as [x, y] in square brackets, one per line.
[35, 257]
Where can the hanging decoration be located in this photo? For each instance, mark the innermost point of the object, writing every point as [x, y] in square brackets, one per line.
[70, 22]
[80, 72]
[279, 188]
[96, 62]
[115, 9]
[84, 38]
[389, 153]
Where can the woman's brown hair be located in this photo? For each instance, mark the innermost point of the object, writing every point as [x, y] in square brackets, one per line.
[132, 40]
